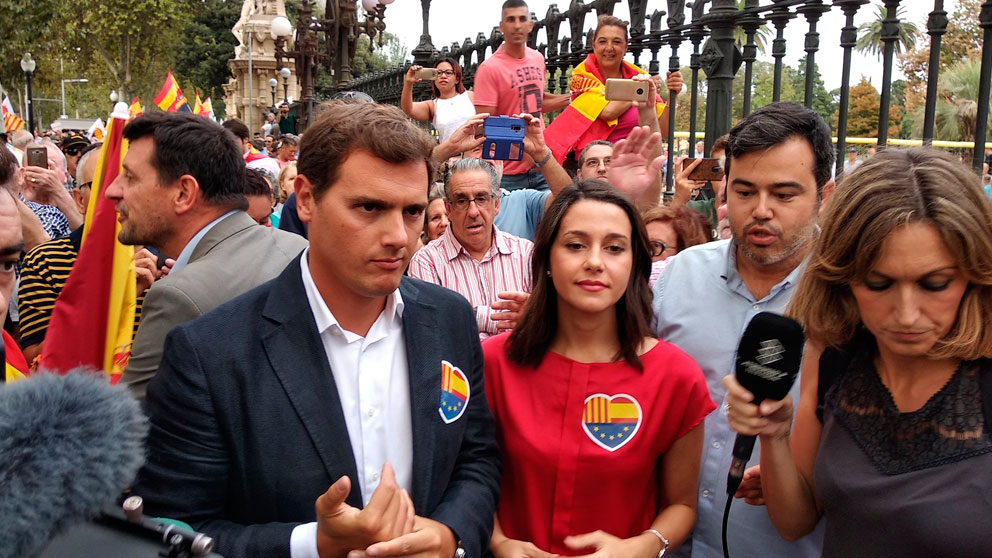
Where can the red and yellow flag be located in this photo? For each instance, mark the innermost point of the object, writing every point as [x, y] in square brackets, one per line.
[11, 121]
[93, 318]
[170, 98]
[579, 123]
[135, 109]
[15, 366]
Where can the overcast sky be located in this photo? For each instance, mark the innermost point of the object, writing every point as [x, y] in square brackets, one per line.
[454, 20]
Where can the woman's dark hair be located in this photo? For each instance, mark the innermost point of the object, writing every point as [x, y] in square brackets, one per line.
[459, 86]
[536, 330]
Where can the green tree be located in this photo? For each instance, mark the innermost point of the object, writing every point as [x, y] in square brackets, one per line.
[762, 88]
[862, 116]
[392, 53]
[683, 112]
[823, 102]
[206, 46]
[957, 104]
[760, 37]
[870, 34]
[133, 40]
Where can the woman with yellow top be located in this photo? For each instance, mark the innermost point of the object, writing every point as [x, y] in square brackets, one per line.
[590, 116]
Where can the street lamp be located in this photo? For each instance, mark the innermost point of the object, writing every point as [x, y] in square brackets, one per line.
[273, 83]
[28, 65]
[285, 73]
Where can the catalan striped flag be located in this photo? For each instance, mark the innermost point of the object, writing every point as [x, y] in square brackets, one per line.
[93, 319]
[15, 366]
[11, 121]
[170, 98]
[135, 109]
[611, 421]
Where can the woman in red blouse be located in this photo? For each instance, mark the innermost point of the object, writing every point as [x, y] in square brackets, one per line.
[599, 423]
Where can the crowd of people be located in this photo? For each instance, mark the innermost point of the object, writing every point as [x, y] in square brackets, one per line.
[364, 340]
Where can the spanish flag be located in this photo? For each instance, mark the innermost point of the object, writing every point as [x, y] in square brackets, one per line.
[15, 366]
[579, 123]
[203, 108]
[93, 318]
[170, 98]
[135, 109]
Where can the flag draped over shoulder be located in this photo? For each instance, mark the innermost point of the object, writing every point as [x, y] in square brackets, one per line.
[170, 98]
[93, 318]
[11, 121]
[579, 123]
[135, 109]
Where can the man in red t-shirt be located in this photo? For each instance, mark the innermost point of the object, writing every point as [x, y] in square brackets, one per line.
[512, 81]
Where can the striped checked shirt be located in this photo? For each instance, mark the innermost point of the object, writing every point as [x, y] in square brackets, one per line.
[505, 267]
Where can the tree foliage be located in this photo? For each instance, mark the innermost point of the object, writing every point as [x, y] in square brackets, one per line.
[870, 34]
[823, 102]
[206, 46]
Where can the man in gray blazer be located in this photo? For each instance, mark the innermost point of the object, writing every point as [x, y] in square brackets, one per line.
[182, 191]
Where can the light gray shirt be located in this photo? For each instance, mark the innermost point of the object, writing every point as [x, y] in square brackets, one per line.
[702, 305]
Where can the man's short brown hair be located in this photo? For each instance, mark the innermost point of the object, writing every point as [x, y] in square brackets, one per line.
[343, 127]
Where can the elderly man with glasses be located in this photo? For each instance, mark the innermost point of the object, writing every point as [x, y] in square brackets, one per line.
[473, 257]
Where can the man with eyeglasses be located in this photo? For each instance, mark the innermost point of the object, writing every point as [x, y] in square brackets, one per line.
[473, 257]
[595, 159]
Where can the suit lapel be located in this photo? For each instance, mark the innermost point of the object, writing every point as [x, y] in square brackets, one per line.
[298, 359]
[420, 328]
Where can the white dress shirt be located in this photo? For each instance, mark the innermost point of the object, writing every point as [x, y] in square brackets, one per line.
[373, 383]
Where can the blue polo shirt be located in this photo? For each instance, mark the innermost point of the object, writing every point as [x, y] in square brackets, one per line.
[520, 211]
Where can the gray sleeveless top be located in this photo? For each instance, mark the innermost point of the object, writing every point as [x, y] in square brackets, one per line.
[904, 484]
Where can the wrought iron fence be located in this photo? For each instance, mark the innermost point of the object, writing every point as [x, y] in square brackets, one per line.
[709, 33]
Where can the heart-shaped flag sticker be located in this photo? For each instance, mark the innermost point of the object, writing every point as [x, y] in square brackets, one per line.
[611, 420]
[454, 392]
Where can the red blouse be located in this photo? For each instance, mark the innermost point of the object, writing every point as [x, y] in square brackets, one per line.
[580, 442]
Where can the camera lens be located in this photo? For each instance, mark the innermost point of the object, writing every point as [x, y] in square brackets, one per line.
[640, 91]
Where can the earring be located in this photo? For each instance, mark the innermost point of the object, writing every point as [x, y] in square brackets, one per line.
[549, 273]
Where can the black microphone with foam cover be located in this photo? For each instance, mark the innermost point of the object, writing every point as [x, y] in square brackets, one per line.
[768, 360]
[68, 446]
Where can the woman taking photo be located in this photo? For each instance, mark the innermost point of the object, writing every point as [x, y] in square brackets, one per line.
[590, 116]
[600, 424]
[451, 105]
[891, 444]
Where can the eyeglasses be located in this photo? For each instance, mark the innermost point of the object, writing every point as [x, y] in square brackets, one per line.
[658, 248]
[84, 185]
[445, 73]
[482, 202]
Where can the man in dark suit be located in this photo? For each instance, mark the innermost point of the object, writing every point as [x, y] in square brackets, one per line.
[339, 373]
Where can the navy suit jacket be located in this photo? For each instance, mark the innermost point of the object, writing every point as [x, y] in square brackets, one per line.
[247, 428]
